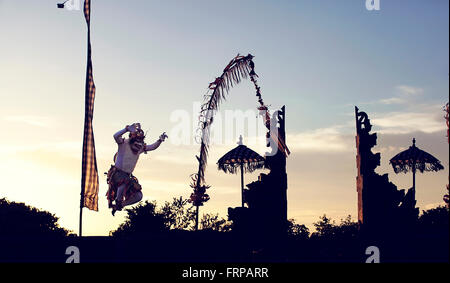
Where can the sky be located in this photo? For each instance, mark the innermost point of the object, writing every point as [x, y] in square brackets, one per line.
[152, 63]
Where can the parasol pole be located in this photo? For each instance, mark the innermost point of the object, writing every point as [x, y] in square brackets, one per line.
[242, 183]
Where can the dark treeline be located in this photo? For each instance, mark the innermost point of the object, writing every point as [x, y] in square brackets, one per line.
[167, 233]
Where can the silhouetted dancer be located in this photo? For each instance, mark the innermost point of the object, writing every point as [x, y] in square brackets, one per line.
[124, 188]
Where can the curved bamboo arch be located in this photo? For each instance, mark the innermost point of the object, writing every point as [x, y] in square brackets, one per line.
[239, 67]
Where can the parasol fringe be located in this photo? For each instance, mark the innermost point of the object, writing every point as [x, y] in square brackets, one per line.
[235, 167]
[427, 167]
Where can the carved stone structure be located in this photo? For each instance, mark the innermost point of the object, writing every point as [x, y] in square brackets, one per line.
[381, 207]
[266, 214]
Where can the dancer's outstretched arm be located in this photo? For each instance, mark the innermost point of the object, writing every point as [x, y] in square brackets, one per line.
[156, 144]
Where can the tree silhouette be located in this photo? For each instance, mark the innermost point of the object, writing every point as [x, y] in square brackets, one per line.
[297, 231]
[177, 214]
[145, 219]
[19, 219]
[327, 229]
[324, 227]
[212, 222]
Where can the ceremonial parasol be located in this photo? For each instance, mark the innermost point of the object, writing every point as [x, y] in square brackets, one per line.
[243, 158]
[414, 159]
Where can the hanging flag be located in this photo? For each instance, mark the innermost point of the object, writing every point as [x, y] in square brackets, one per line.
[89, 177]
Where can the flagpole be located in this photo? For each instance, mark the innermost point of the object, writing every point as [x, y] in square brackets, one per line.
[81, 216]
[242, 184]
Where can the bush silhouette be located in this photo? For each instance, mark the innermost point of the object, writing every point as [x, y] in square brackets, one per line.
[142, 219]
[435, 222]
[19, 219]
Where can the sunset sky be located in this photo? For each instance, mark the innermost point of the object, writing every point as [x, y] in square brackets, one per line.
[154, 59]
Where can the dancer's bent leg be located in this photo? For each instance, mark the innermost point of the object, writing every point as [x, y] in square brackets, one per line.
[133, 199]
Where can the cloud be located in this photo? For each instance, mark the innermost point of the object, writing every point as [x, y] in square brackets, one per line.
[425, 118]
[407, 122]
[392, 100]
[38, 121]
[330, 139]
[408, 90]
[413, 117]
[67, 148]
[404, 94]
[390, 150]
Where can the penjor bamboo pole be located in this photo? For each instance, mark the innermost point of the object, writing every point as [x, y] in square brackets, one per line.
[196, 218]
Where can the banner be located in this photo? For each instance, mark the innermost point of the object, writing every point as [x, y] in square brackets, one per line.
[89, 178]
